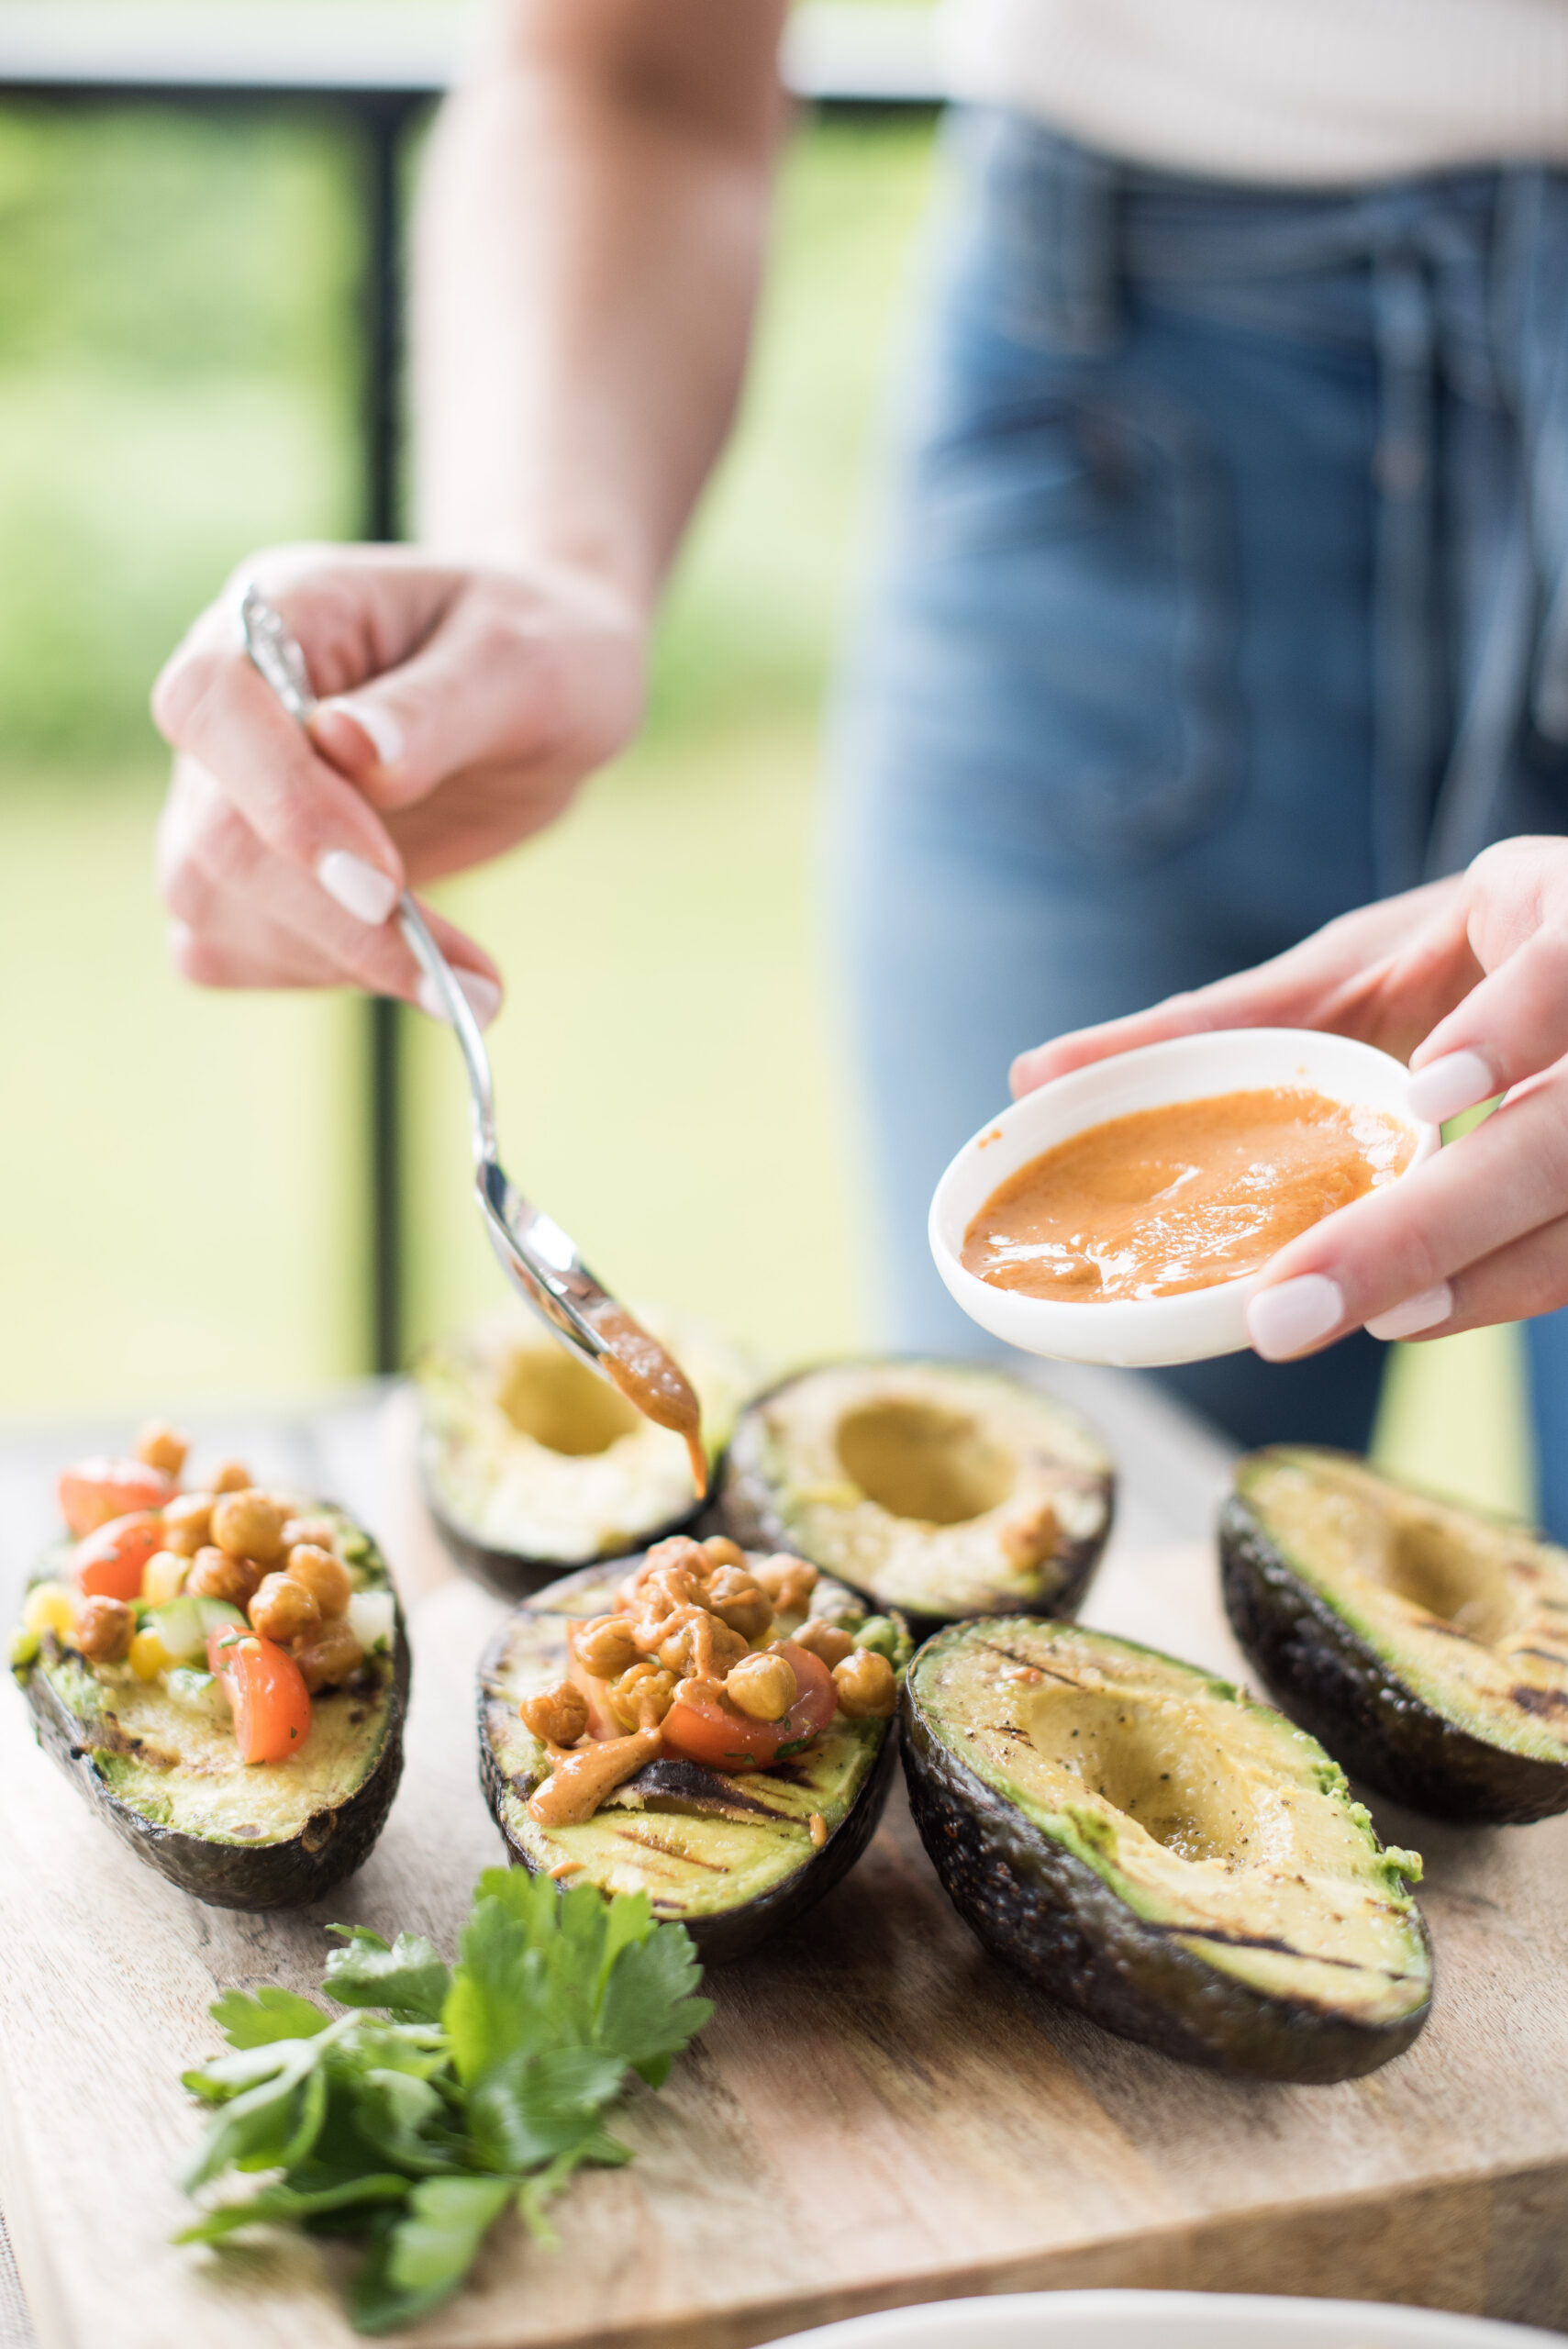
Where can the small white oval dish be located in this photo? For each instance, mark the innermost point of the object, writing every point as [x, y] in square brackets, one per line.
[1166, 2321]
[1141, 1332]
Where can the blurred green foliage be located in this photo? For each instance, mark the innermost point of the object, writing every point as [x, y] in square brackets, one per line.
[177, 382]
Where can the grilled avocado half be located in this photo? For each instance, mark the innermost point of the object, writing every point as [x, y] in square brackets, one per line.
[1152, 1846]
[531, 1466]
[1426, 1645]
[168, 1780]
[731, 1857]
[939, 1489]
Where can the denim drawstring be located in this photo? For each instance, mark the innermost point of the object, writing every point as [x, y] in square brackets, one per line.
[1406, 667]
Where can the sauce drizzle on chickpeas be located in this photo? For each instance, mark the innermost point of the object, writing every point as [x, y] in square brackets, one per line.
[695, 1633]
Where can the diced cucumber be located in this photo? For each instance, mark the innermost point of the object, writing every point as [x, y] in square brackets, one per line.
[880, 1633]
[373, 1615]
[184, 1625]
[218, 1616]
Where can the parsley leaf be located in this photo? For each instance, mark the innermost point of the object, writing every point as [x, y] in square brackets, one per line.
[408, 1979]
[422, 2257]
[251, 2019]
[440, 2098]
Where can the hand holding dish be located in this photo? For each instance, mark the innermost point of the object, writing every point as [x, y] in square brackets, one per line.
[1128, 1212]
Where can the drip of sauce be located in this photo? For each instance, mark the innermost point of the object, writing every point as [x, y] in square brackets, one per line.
[1180, 1197]
[652, 1380]
[583, 1778]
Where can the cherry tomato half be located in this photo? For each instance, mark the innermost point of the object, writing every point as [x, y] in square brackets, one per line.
[722, 1739]
[109, 1562]
[266, 1692]
[96, 1490]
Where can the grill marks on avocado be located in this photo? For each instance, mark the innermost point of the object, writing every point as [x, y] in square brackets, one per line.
[1149, 1844]
[1421, 1641]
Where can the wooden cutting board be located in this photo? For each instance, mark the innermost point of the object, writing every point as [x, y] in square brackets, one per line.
[877, 2114]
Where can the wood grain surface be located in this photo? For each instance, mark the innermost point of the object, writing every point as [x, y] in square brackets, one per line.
[877, 2114]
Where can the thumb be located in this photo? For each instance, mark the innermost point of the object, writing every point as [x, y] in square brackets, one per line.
[479, 690]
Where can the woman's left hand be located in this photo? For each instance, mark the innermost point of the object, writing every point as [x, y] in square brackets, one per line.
[1467, 979]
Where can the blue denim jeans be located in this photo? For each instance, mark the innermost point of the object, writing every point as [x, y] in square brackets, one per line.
[1224, 587]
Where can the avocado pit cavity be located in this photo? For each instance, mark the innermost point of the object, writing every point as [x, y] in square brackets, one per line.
[916, 1461]
[557, 1400]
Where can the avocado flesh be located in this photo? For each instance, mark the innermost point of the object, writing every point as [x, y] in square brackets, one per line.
[1426, 1645]
[531, 1463]
[939, 1489]
[169, 1779]
[729, 1855]
[1150, 1845]
[179, 1769]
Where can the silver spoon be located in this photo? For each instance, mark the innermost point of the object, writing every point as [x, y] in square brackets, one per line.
[532, 1249]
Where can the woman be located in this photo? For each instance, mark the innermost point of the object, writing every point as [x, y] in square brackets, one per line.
[1226, 586]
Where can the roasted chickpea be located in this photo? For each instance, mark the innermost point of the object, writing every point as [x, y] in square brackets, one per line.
[249, 1525]
[333, 1656]
[318, 1531]
[737, 1600]
[215, 1575]
[559, 1715]
[283, 1610]
[188, 1522]
[606, 1647]
[1031, 1536]
[665, 1593]
[325, 1576]
[161, 1446]
[789, 1582]
[642, 1696]
[697, 1640]
[105, 1629]
[868, 1689]
[828, 1642]
[762, 1686]
[232, 1477]
[680, 1553]
[720, 1551]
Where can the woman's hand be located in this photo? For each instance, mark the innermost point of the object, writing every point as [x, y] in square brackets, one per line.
[1468, 980]
[460, 709]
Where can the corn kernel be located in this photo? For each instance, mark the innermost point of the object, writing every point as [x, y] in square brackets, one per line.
[51, 1607]
[163, 1577]
[149, 1657]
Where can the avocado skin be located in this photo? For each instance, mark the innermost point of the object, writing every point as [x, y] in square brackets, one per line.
[1335, 1685]
[736, 1931]
[745, 1511]
[234, 1875]
[1048, 1915]
[512, 1575]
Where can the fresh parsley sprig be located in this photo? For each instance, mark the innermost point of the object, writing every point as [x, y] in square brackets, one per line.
[443, 2095]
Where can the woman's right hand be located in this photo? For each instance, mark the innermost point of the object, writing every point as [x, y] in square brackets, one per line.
[460, 709]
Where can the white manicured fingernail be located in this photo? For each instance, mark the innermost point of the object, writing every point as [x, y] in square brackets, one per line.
[1420, 1312]
[375, 721]
[483, 996]
[1442, 1089]
[359, 888]
[1281, 1321]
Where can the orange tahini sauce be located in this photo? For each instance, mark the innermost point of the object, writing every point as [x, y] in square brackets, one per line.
[1180, 1197]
